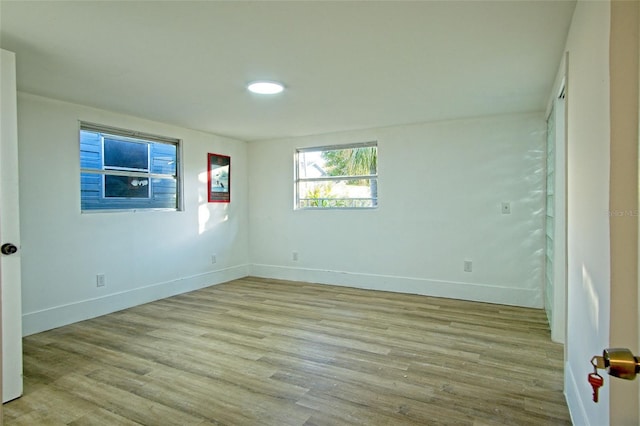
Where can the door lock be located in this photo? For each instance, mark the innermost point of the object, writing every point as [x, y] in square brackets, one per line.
[619, 362]
[8, 248]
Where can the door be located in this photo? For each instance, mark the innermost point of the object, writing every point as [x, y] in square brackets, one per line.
[10, 286]
[623, 202]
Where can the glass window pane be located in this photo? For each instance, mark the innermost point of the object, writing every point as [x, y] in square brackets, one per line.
[340, 193]
[351, 161]
[90, 150]
[165, 192]
[164, 158]
[311, 165]
[126, 186]
[125, 155]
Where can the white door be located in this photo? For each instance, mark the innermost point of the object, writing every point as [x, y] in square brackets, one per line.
[10, 233]
[624, 219]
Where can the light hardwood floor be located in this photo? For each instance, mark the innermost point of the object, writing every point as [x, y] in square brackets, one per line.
[266, 352]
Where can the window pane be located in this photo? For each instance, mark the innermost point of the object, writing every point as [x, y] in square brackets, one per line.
[338, 193]
[90, 150]
[164, 158]
[338, 162]
[351, 161]
[165, 192]
[126, 187]
[90, 187]
[161, 193]
[311, 165]
[124, 155]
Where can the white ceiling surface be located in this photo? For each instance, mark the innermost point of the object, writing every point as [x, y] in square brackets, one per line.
[346, 65]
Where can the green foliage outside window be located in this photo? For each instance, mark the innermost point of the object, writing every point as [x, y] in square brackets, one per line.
[338, 176]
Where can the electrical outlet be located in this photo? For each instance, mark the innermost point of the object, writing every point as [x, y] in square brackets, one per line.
[294, 256]
[468, 266]
[214, 259]
[101, 280]
[506, 208]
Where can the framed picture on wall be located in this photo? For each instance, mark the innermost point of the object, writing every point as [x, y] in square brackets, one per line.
[219, 178]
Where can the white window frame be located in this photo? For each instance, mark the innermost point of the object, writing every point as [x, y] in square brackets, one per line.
[298, 180]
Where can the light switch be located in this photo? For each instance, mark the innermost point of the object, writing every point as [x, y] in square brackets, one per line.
[506, 208]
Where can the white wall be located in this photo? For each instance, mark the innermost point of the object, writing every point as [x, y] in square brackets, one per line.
[440, 189]
[145, 255]
[588, 243]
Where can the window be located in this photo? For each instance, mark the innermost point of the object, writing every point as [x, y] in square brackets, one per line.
[126, 170]
[344, 176]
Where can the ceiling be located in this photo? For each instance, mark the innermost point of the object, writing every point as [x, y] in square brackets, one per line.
[346, 65]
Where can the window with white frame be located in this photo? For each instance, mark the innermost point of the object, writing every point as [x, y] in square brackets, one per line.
[127, 170]
[334, 177]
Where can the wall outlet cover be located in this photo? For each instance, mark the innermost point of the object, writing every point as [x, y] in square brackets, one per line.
[101, 280]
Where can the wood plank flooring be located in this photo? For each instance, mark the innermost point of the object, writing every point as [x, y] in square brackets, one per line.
[266, 352]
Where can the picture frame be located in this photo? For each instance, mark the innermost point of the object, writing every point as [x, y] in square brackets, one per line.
[219, 178]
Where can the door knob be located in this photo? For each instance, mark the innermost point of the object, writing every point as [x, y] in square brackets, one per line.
[619, 362]
[8, 248]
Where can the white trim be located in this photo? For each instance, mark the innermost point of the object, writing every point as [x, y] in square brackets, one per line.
[572, 394]
[478, 292]
[559, 84]
[131, 135]
[336, 147]
[57, 316]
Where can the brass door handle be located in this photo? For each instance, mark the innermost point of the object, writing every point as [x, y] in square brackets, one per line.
[619, 362]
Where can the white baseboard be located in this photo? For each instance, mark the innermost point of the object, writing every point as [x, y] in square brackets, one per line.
[574, 403]
[477, 292]
[47, 319]
[57, 316]
[577, 410]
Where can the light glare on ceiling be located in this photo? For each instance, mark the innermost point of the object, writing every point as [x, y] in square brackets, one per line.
[265, 87]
